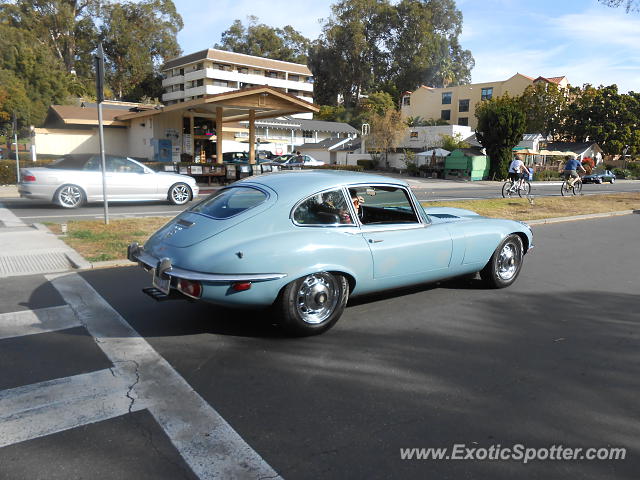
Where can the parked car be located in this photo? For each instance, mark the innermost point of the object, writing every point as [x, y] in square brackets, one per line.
[599, 177]
[331, 235]
[73, 180]
[243, 157]
[293, 160]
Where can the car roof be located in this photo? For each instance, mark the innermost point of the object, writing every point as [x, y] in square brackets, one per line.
[299, 183]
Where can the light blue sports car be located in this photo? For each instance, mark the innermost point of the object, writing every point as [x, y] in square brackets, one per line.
[303, 242]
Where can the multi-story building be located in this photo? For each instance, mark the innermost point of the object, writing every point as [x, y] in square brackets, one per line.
[214, 71]
[457, 104]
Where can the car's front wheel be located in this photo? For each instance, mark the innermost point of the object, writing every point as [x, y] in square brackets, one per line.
[312, 304]
[179, 194]
[69, 196]
[505, 263]
[613, 180]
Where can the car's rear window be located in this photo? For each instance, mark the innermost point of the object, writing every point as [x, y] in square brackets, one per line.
[230, 201]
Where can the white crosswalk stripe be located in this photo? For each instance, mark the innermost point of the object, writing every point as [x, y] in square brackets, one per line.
[140, 379]
[30, 322]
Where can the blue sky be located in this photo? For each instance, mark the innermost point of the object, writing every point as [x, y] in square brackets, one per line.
[582, 39]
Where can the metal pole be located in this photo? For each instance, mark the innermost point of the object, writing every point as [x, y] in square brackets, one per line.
[99, 63]
[15, 139]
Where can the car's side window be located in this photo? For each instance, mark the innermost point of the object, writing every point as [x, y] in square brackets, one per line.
[122, 165]
[93, 164]
[382, 205]
[326, 208]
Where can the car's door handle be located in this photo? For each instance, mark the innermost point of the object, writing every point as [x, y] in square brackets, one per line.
[371, 240]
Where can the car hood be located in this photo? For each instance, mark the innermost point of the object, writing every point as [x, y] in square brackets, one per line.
[177, 177]
[450, 214]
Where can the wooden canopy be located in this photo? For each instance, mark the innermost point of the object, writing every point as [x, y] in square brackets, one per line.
[235, 106]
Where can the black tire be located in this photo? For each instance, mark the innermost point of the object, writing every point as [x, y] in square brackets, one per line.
[69, 196]
[613, 180]
[507, 191]
[179, 194]
[577, 188]
[525, 190]
[564, 189]
[598, 181]
[505, 264]
[312, 304]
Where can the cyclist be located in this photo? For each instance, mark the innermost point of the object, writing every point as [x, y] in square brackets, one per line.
[517, 172]
[571, 170]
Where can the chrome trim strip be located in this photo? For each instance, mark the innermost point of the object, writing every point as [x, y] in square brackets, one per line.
[149, 261]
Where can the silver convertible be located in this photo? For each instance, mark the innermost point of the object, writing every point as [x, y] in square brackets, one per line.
[303, 242]
[73, 180]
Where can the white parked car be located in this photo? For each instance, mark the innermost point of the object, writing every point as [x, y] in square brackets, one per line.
[74, 180]
[292, 160]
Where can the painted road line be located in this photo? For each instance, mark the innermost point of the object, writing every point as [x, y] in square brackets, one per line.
[53, 406]
[31, 322]
[205, 440]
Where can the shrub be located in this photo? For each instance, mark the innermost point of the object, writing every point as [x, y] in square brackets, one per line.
[545, 175]
[367, 164]
[621, 172]
[8, 169]
[352, 168]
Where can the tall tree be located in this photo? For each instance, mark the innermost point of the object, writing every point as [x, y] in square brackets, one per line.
[33, 78]
[370, 45]
[67, 26]
[543, 105]
[501, 124]
[261, 40]
[385, 132]
[629, 5]
[137, 39]
[604, 116]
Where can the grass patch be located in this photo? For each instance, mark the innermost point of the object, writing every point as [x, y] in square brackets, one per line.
[546, 207]
[96, 241]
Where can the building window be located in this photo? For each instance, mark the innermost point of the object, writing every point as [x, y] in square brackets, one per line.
[271, 74]
[446, 98]
[294, 78]
[294, 92]
[243, 70]
[199, 66]
[445, 114]
[406, 100]
[221, 83]
[463, 105]
[307, 134]
[464, 121]
[487, 93]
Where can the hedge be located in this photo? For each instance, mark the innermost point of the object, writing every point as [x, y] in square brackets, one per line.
[367, 164]
[8, 169]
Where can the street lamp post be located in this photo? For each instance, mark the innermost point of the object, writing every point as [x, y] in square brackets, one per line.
[99, 64]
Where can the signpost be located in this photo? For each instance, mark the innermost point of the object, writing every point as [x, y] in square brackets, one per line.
[99, 66]
[15, 139]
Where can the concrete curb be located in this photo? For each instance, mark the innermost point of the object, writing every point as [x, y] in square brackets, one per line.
[589, 216]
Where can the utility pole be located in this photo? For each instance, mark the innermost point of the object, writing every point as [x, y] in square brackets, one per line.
[15, 139]
[99, 65]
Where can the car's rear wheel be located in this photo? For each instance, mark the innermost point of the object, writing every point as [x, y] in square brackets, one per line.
[312, 304]
[505, 263]
[69, 196]
[179, 194]
[598, 181]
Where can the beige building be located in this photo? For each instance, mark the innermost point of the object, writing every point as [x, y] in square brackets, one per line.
[457, 104]
[212, 71]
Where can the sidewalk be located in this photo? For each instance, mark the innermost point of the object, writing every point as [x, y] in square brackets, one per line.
[32, 249]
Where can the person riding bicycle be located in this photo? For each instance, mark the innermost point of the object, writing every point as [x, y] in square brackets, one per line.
[571, 170]
[518, 171]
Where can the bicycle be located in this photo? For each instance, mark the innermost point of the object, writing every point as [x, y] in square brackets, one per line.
[521, 187]
[575, 189]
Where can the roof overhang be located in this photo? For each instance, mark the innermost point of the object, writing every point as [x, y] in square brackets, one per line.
[265, 102]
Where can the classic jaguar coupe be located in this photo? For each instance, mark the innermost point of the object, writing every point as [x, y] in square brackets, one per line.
[303, 242]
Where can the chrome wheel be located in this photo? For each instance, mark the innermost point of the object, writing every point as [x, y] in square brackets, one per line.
[507, 262]
[70, 196]
[317, 297]
[179, 194]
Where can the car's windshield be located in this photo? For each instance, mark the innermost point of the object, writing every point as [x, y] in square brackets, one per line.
[230, 201]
